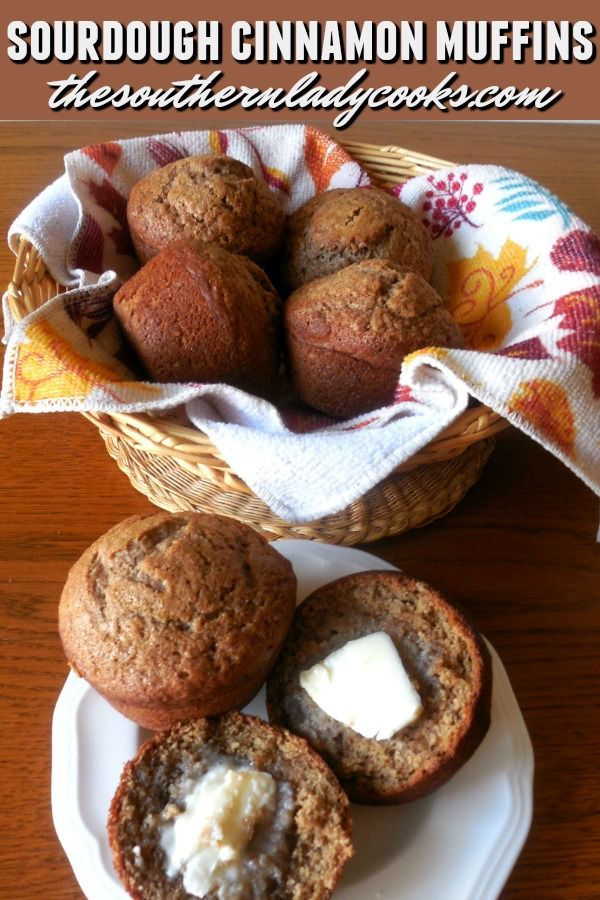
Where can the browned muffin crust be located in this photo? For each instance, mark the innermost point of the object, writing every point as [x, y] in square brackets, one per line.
[443, 654]
[339, 227]
[176, 615]
[197, 313]
[347, 334]
[205, 198]
[319, 841]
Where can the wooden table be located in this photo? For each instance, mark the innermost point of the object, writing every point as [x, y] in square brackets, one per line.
[519, 551]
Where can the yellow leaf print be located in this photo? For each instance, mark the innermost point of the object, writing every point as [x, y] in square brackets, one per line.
[48, 367]
[479, 288]
[436, 352]
[545, 405]
[218, 142]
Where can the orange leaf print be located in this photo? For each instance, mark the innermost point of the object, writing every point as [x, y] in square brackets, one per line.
[48, 367]
[437, 352]
[545, 405]
[106, 155]
[323, 158]
[479, 288]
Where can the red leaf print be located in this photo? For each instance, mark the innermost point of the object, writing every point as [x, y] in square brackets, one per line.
[106, 155]
[364, 424]
[90, 312]
[218, 142]
[578, 251]
[122, 241]
[273, 177]
[403, 394]
[448, 204]
[162, 152]
[110, 199]
[302, 419]
[580, 313]
[530, 349]
[90, 247]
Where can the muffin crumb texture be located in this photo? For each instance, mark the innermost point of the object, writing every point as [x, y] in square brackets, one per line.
[297, 849]
[444, 656]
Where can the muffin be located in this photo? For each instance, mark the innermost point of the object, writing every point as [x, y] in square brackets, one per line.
[444, 657]
[197, 313]
[276, 821]
[343, 226]
[347, 334]
[171, 616]
[206, 198]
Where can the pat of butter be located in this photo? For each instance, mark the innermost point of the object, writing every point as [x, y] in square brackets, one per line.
[365, 686]
[207, 840]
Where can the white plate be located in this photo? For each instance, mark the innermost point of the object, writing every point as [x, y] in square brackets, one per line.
[460, 843]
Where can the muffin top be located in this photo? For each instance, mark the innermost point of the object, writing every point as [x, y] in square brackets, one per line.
[207, 198]
[375, 310]
[169, 605]
[196, 312]
[345, 225]
[444, 655]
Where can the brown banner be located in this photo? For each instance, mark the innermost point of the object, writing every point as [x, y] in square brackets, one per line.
[247, 63]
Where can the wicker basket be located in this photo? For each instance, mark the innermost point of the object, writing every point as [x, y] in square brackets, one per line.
[179, 468]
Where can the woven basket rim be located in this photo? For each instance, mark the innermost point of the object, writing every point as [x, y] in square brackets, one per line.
[32, 284]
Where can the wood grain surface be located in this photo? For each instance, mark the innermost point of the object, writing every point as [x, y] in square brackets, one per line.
[519, 552]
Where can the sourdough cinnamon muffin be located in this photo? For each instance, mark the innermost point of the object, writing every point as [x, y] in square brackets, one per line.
[232, 808]
[171, 616]
[345, 225]
[198, 313]
[205, 198]
[444, 656]
[347, 334]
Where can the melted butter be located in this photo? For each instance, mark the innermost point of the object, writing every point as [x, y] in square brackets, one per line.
[206, 841]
